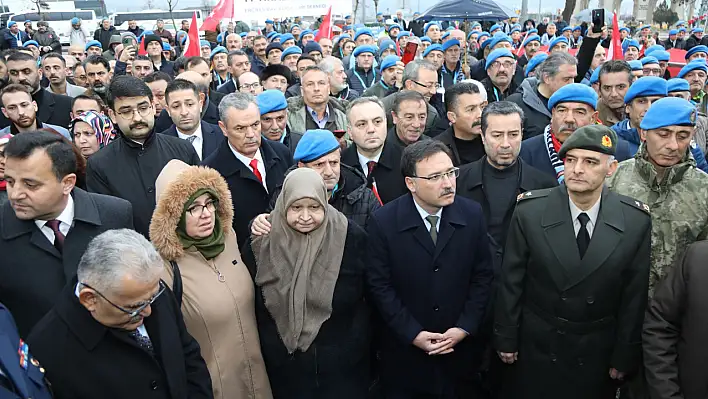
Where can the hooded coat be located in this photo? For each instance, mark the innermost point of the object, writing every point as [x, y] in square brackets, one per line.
[220, 315]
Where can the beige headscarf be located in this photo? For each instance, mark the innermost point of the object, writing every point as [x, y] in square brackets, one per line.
[297, 272]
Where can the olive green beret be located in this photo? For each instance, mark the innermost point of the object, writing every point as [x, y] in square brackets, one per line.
[598, 138]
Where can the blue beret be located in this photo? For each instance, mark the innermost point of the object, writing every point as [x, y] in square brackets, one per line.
[697, 30]
[393, 26]
[204, 43]
[28, 20]
[498, 39]
[558, 40]
[500, 52]
[217, 50]
[425, 39]
[681, 22]
[574, 92]
[645, 27]
[452, 42]
[472, 33]
[348, 16]
[445, 35]
[166, 47]
[531, 31]
[285, 37]
[669, 111]
[315, 144]
[93, 43]
[645, 87]
[577, 28]
[276, 36]
[450, 28]
[30, 43]
[220, 37]
[624, 29]
[692, 66]
[273, 33]
[403, 34]
[74, 21]
[648, 60]
[337, 39]
[148, 32]
[378, 14]
[631, 43]
[431, 48]
[651, 49]
[636, 65]
[312, 46]
[661, 55]
[304, 33]
[386, 44]
[595, 77]
[567, 29]
[269, 21]
[243, 35]
[673, 32]
[388, 62]
[365, 49]
[682, 29]
[531, 38]
[271, 101]
[363, 31]
[515, 30]
[483, 34]
[476, 24]
[696, 49]
[677, 84]
[11, 24]
[293, 26]
[290, 51]
[494, 27]
[534, 62]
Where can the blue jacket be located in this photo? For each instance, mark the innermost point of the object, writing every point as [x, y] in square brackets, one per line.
[631, 135]
[12, 40]
[26, 375]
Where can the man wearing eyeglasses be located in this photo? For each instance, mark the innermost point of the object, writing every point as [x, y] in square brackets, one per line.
[430, 276]
[129, 167]
[239, 63]
[116, 331]
[500, 66]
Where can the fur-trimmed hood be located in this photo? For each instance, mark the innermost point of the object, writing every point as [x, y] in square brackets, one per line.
[175, 184]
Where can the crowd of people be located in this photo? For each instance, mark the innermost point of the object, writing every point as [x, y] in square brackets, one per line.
[289, 215]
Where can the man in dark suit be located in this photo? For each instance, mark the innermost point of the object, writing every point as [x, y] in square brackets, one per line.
[52, 108]
[370, 152]
[252, 167]
[44, 231]
[184, 104]
[210, 111]
[201, 66]
[574, 281]
[572, 106]
[118, 331]
[21, 377]
[430, 276]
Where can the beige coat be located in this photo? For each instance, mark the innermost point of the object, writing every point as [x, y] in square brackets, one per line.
[219, 314]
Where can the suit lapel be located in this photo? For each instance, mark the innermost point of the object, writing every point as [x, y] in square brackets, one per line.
[46, 106]
[450, 218]
[560, 236]
[605, 238]
[270, 159]
[10, 365]
[211, 139]
[409, 218]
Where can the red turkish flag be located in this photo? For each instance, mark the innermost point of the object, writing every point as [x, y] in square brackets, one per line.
[224, 9]
[191, 47]
[325, 26]
[615, 50]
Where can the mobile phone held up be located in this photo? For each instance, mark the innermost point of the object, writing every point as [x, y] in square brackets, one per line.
[409, 52]
[598, 19]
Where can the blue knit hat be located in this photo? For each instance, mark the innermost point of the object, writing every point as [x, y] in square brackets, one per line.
[535, 61]
[498, 53]
[271, 101]
[289, 51]
[677, 84]
[669, 111]
[388, 62]
[431, 48]
[574, 92]
[693, 66]
[365, 49]
[312, 46]
[645, 87]
[315, 144]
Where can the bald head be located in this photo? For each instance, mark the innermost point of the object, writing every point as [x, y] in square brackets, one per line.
[196, 78]
[78, 52]
[459, 35]
[233, 42]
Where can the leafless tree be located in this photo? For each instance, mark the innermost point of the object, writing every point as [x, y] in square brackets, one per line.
[40, 5]
[207, 6]
[356, 8]
[171, 6]
[149, 5]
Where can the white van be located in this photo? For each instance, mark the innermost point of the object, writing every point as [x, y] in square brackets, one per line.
[148, 19]
[60, 21]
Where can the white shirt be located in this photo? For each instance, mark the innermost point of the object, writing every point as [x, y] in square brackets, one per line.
[142, 330]
[592, 213]
[424, 214]
[247, 161]
[198, 142]
[363, 161]
[66, 219]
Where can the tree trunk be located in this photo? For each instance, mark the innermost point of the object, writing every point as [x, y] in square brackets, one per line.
[524, 10]
[568, 10]
[616, 6]
[356, 10]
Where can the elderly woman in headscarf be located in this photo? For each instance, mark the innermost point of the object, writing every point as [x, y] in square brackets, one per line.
[309, 273]
[91, 131]
[192, 230]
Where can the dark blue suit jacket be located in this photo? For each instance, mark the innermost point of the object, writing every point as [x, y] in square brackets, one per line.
[419, 286]
[211, 134]
[28, 382]
[227, 88]
[535, 153]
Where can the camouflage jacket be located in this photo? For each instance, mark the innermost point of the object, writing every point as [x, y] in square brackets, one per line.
[678, 205]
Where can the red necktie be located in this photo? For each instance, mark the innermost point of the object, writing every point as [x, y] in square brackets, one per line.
[58, 236]
[254, 166]
[371, 165]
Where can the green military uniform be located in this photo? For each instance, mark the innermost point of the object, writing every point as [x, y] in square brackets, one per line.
[378, 90]
[678, 204]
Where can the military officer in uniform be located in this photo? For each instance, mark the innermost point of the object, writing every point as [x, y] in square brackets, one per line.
[574, 280]
[21, 376]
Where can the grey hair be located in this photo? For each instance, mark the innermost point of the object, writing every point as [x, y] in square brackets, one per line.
[237, 100]
[114, 254]
[328, 63]
[412, 70]
[550, 23]
[414, 39]
[482, 89]
[363, 100]
[551, 66]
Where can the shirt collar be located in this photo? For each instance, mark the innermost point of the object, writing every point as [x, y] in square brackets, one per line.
[363, 161]
[592, 213]
[423, 213]
[66, 216]
[197, 133]
[314, 113]
[244, 159]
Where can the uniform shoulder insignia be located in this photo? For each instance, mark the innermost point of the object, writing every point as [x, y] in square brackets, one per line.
[636, 204]
[533, 194]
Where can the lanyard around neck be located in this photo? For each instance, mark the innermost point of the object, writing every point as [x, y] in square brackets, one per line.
[363, 83]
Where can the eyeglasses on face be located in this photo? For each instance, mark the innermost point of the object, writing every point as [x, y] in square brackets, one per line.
[142, 110]
[451, 174]
[430, 86]
[137, 311]
[197, 210]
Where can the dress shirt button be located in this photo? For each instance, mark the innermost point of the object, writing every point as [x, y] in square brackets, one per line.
[436, 269]
[563, 297]
[590, 300]
[153, 385]
[150, 189]
[436, 308]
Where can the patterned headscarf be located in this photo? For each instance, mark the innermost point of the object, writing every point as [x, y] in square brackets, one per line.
[101, 124]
